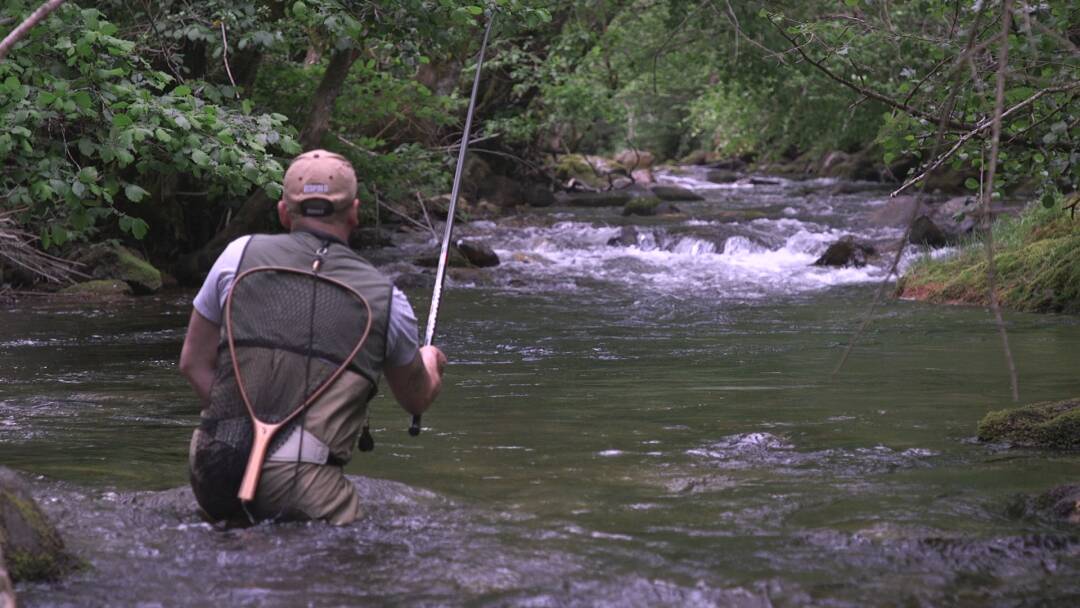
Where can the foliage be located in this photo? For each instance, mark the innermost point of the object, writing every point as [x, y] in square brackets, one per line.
[89, 129]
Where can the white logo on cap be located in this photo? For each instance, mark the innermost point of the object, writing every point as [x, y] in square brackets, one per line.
[309, 188]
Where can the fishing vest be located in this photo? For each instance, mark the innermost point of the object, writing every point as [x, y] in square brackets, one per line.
[221, 447]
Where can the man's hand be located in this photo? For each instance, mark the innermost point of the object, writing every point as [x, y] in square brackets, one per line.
[416, 385]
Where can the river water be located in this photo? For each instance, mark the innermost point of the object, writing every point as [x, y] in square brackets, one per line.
[623, 425]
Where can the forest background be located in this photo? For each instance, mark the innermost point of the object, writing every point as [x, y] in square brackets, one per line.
[165, 125]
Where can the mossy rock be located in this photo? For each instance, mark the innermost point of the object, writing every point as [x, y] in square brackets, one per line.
[98, 287]
[1051, 425]
[32, 548]
[675, 193]
[577, 167]
[642, 206]
[431, 260]
[109, 261]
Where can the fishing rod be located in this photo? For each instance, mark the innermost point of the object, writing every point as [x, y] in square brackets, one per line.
[440, 273]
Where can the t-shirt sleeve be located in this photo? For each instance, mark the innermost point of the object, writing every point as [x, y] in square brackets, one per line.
[402, 341]
[210, 301]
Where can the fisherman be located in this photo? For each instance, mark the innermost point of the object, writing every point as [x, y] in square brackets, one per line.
[302, 477]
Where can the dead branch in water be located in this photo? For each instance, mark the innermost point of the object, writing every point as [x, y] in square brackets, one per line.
[17, 250]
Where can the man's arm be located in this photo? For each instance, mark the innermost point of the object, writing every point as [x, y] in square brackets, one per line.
[198, 358]
[416, 384]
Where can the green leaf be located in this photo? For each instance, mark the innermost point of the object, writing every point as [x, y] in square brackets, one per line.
[300, 9]
[971, 183]
[182, 91]
[122, 121]
[138, 228]
[1048, 200]
[83, 99]
[475, 10]
[200, 158]
[134, 193]
[88, 175]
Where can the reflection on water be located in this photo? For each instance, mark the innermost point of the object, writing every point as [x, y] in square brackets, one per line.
[606, 439]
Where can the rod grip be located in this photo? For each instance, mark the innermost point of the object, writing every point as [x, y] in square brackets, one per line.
[414, 428]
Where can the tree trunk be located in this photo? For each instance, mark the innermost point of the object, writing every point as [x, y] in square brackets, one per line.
[256, 214]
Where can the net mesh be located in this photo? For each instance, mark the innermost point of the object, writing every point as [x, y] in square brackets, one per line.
[291, 332]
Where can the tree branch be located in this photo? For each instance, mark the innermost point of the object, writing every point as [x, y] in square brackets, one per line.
[18, 33]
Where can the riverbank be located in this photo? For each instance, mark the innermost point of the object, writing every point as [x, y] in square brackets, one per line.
[1037, 264]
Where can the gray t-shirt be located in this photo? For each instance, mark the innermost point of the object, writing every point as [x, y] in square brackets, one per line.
[402, 343]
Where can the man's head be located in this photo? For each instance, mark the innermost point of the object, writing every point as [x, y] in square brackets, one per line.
[319, 187]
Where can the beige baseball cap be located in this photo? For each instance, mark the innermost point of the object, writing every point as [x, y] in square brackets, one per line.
[319, 175]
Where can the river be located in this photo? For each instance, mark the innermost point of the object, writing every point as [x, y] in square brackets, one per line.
[623, 425]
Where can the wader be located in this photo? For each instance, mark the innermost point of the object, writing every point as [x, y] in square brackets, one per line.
[302, 477]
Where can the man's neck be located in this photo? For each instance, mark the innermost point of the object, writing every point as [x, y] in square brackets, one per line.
[337, 231]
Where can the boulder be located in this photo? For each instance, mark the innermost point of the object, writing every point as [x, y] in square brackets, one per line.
[31, 546]
[473, 175]
[764, 181]
[643, 176]
[107, 261]
[649, 206]
[1061, 503]
[721, 176]
[502, 191]
[896, 211]
[99, 288]
[730, 164]
[675, 193]
[538, 196]
[925, 232]
[628, 236]
[414, 280]
[477, 253]
[846, 252]
[431, 260]
[635, 159]
[581, 169]
[1050, 425]
[611, 198]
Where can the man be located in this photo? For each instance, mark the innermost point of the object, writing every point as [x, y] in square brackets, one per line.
[302, 476]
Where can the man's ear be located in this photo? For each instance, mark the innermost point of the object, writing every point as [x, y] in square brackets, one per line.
[283, 214]
[354, 214]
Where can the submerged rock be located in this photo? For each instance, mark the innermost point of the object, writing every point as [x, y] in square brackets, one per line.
[846, 252]
[98, 287]
[675, 193]
[477, 253]
[1050, 425]
[722, 176]
[120, 263]
[613, 198]
[649, 206]
[431, 260]
[31, 546]
[627, 236]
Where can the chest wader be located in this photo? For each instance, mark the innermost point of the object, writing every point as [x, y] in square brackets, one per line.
[324, 432]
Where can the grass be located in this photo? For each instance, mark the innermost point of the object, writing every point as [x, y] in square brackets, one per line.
[1037, 259]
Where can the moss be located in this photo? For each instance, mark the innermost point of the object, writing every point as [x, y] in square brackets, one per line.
[137, 272]
[1053, 425]
[45, 558]
[1037, 262]
[645, 205]
[576, 166]
[99, 287]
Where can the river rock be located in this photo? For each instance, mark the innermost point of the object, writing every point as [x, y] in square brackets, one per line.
[539, 196]
[846, 252]
[1061, 503]
[628, 236]
[612, 198]
[721, 176]
[98, 288]
[107, 261]
[643, 176]
[7, 592]
[635, 159]
[477, 253]
[502, 191]
[649, 206]
[370, 238]
[925, 232]
[414, 280]
[31, 546]
[1050, 425]
[896, 212]
[675, 193]
[431, 260]
[764, 181]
